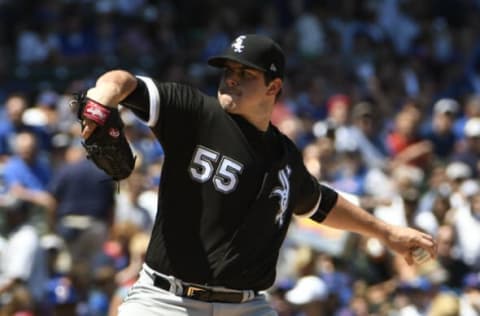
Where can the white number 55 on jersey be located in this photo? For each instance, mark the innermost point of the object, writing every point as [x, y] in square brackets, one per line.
[204, 167]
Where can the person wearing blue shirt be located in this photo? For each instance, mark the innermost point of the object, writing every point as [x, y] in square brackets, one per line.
[26, 169]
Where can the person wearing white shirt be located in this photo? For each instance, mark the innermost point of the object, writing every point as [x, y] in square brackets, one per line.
[467, 225]
[22, 261]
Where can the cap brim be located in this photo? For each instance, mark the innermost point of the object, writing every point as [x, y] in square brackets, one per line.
[219, 62]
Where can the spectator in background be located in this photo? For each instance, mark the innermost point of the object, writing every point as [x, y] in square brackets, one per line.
[444, 304]
[471, 109]
[26, 174]
[117, 266]
[310, 106]
[320, 156]
[470, 297]
[16, 105]
[310, 296]
[335, 273]
[278, 301]
[57, 256]
[400, 26]
[107, 35]
[77, 41]
[366, 133]
[83, 201]
[338, 114]
[434, 204]
[126, 277]
[470, 154]
[286, 121]
[127, 207]
[440, 132]
[62, 297]
[346, 24]
[439, 213]
[371, 263]
[406, 182]
[414, 296]
[46, 105]
[22, 262]
[134, 43]
[20, 303]
[404, 142]
[114, 251]
[461, 184]
[26, 168]
[216, 39]
[467, 226]
[449, 257]
[351, 172]
[101, 289]
[35, 44]
[310, 293]
[309, 32]
[147, 149]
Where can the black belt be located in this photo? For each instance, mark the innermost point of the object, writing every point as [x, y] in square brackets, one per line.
[198, 292]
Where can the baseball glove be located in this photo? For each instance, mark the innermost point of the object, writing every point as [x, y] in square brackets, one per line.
[107, 146]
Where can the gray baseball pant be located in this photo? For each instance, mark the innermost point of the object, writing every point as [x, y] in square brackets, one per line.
[145, 299]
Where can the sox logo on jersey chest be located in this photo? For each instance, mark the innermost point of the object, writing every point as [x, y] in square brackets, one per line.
[283, 192]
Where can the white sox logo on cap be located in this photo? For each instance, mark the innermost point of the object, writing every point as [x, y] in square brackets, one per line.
[237, 45]
[254, 51]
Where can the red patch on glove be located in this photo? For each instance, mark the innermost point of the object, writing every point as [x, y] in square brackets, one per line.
[96, 112]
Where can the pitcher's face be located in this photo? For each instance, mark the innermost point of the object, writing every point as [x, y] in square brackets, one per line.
[241, 88]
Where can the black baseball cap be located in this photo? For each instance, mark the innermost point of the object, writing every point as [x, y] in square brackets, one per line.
[255, 51]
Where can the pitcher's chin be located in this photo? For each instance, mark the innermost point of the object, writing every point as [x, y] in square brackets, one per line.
[226, 102]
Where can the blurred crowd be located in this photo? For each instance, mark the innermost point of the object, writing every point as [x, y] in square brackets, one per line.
[381, 96]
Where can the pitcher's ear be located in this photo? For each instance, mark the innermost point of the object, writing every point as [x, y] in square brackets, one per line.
[274, 86]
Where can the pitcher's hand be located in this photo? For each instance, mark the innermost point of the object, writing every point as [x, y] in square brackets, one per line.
[89, 127]
[404, 240]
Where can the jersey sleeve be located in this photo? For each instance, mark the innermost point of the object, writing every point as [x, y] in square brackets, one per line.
[310, 195]
[139, 101]
[173, 111]
[327, 199]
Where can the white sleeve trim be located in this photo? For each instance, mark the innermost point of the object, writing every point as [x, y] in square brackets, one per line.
[154, 99]
[314, 209]
[352, 198]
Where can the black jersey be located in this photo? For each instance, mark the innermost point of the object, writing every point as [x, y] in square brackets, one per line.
[227, 190]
